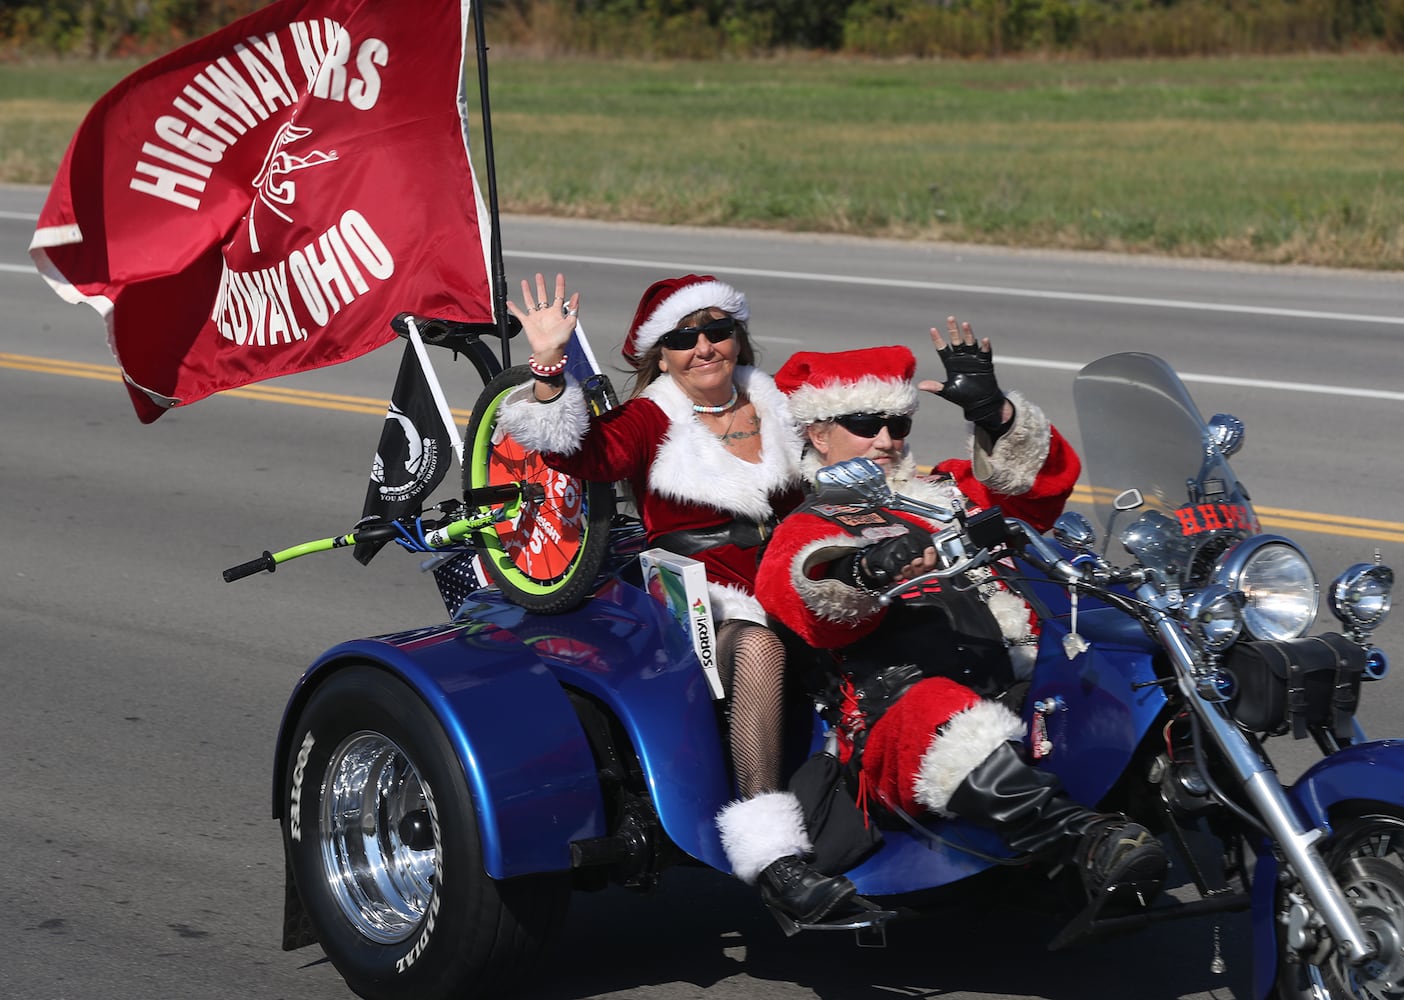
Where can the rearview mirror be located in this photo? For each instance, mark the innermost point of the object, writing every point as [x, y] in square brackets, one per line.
[856, 481]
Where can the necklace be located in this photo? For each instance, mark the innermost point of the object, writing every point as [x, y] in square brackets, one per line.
[735, 395]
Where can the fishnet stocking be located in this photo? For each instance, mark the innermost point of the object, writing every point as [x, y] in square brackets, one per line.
[752, 660]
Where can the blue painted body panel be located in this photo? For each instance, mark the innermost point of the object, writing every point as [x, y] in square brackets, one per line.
[494, 681]
[497, 680]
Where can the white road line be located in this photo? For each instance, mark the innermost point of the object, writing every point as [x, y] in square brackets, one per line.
[1247, 383]
[942, 286]
[933, 286]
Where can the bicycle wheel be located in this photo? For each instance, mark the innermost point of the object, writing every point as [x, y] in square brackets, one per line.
[545, 559]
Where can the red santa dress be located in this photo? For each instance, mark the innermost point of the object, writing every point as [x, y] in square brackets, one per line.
[682, 476]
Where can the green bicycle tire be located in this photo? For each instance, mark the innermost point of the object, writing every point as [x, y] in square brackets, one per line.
[547, 558]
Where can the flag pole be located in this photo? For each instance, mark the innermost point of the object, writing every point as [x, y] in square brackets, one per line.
[499, 270]
[436, 390]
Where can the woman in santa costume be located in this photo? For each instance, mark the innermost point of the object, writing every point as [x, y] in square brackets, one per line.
[708, 447]
[915, 687]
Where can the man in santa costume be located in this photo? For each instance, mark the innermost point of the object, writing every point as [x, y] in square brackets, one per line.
[915, 688]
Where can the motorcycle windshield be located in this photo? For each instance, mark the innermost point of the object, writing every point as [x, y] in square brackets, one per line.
[1159, 484]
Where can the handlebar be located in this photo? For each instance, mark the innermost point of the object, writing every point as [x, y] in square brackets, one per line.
[486, 505]
[484, 496]
[1044, 555]
[264, 563]
[1081, 570]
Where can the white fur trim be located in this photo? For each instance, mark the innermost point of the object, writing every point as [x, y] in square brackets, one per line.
[868, 394]
[694, 467]
[1015, 624]
[1009, 611]
[942, 492]
[959, 747]
[1014, 463]
[558, 426]
[730, 602]
[762, 829]
[684, 302]
[1023, 659]
[831, 600]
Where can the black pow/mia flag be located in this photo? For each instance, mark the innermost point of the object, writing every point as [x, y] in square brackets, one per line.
[413, 456]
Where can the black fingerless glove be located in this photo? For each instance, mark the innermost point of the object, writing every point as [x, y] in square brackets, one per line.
[971, 385]
[876, 568]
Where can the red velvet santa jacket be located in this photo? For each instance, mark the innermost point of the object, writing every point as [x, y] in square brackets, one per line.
[1030, 473]
[682, 476]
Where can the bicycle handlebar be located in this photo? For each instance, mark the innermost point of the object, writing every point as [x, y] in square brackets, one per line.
[411, 533]
[484, 496]
[261, 564]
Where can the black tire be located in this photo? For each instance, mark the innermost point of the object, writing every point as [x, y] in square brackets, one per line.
[383, 842]
[1366, 855]
[546, 559]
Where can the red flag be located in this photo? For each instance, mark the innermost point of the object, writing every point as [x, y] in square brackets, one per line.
[265, 200]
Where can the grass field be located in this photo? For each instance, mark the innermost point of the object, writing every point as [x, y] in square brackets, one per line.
[1286, 159]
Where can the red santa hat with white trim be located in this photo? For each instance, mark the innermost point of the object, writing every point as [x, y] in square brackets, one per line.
[822, 385]
[666, 303]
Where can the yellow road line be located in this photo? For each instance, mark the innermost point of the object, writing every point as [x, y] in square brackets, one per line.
[1324, 527]
[268, 393]
[1281, 518]
[1271, 517]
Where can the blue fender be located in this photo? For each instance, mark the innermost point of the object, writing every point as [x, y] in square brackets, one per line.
[624, 649]
[524, 755]
[495, 679]
[1363, 772]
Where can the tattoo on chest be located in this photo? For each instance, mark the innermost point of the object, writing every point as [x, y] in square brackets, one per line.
[731, 435]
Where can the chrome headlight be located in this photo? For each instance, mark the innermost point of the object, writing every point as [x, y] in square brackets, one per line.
[1360, 597]
[1214, 616]
[1278, 585]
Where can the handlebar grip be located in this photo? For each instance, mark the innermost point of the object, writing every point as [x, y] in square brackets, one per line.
[483, 496]
[261, 564]
[379, 531]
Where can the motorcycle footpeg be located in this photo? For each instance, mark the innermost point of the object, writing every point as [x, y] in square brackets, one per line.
[1128, 900]
[862, 916]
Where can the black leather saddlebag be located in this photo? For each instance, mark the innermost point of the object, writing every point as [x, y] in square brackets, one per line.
[1296, 683]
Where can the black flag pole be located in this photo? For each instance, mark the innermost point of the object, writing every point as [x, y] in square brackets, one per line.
[499, 270]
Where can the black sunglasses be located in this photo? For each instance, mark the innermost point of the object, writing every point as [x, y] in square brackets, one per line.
[684, 338]
[870, 425]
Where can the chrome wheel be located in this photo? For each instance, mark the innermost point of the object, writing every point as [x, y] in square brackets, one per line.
[1367, 859]
[384, 855]
[379, 838]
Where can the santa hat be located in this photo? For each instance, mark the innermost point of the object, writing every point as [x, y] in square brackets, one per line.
[823, 385]
[665, 304]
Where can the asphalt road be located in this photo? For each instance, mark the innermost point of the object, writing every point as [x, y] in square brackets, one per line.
[141, 694]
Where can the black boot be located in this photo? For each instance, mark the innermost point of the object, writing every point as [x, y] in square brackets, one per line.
[800, 891]
[1122, 863]
[1028, 807]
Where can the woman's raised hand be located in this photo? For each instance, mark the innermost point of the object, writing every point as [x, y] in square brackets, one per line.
[546, 323]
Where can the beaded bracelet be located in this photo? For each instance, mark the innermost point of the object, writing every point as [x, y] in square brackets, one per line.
[546, 371]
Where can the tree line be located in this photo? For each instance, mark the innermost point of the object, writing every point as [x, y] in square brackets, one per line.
[674, 29]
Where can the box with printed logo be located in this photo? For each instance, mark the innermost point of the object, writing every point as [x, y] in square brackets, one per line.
[681, 584]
